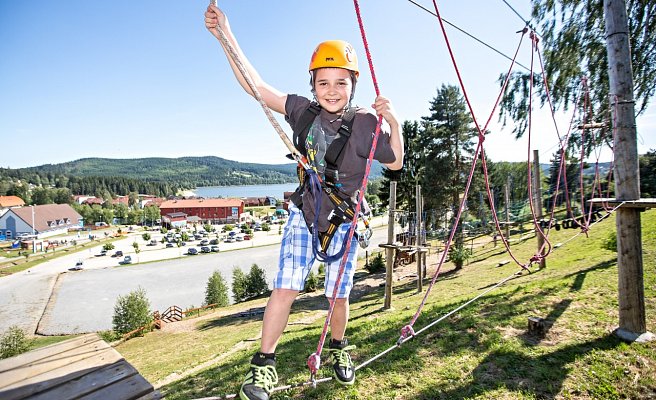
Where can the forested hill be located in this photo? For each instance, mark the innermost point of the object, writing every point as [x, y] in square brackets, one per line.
[159, 176]
[187, 172]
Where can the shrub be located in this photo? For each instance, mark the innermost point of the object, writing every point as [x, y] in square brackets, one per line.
[136, 247]
[322, 269]
[611, 242]
[131, 311]
[266, 227]
[458, 254]
[377, 264]
[238, 285]
[217, 290]
[108, 246]
[145, 236]
[228, 228]
[14, 342]
[256, 282]
[311, 283]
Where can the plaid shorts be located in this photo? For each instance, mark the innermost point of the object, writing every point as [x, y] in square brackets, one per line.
[297, 257]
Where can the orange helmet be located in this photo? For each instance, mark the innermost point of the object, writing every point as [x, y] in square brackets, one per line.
[335, 54]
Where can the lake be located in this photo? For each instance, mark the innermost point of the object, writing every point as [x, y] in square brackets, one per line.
[276, 190]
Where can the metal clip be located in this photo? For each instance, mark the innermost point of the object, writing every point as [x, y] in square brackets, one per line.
[364, 237]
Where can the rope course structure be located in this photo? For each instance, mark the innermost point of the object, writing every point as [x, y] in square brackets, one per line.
[542, 228]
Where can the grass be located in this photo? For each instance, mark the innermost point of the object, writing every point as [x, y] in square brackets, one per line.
[482, 352]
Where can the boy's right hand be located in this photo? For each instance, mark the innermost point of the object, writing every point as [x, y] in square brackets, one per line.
[214, 18]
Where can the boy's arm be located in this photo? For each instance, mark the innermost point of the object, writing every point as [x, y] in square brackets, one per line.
[384, 107]
[214, 19]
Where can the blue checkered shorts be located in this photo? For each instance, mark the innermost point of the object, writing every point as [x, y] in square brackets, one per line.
[297, 257]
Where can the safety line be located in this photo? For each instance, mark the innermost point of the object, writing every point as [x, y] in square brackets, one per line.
[466, 33]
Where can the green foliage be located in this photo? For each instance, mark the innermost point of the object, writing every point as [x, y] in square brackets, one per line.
[131, 311]
[573, 39]
[311, 283]
[228, 227]
[458, 254]
[322, 269]
[377, 264]
[208, 228]
[647, 174]
[146, 237]
[136, 247]
[163, 230]
[266, 227]
[611, 241]
[239, 283]
[246, 286]
[216, 291]
[108, 246]
[14, 342]
[257, 282]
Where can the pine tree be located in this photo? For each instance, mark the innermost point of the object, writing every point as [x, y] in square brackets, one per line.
[216, 291]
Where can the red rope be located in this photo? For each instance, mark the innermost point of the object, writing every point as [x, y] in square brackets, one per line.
[314, 360]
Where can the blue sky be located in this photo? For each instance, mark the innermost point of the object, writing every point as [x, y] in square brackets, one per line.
[127, 79]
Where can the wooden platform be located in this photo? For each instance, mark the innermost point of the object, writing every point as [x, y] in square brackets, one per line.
[85, 367]
[640, 203]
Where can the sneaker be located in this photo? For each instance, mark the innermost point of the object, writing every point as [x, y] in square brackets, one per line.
[260, 380]
[342, 364]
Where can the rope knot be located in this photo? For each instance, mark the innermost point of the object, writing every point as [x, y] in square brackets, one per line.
[406, 332]
[536, 258]
[314, 363]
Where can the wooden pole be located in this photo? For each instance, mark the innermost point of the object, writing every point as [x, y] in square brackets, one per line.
[632, 321]
[537, 204]
[390, 252]
[507, 199]
[418, 242]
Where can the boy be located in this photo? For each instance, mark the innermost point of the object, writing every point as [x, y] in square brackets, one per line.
[333, 75]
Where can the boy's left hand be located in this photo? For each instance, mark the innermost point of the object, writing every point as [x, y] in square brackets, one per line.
[383, 106]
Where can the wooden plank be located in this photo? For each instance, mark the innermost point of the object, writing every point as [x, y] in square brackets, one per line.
[155, 395]
[72, 372]
[85, 356]
[639, 203]
[131, 388]
[47, 352]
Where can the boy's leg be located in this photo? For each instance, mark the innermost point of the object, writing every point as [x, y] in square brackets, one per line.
[338, 347]
[276, 316]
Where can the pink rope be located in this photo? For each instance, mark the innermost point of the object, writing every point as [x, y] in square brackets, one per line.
[314, 359]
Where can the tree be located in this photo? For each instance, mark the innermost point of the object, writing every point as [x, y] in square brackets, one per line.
[647, 175]
[239, 284]
[448, 142]
[216, 291]
[131, 311]
[574, 41]
[256, 282]
[571, 185]
[151, 213]
[121, 212]
[41, 196]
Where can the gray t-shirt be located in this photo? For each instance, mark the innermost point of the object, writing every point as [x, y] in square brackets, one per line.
[356, 152]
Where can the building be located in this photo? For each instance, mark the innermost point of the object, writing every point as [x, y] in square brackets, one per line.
[259, 201]
[211, 211]
[43, 221]
[8, 202]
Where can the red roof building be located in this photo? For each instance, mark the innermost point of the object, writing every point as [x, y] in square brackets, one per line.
[212, 211]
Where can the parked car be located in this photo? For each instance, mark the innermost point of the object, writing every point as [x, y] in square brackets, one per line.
[205, 249]
[192, 251]
[169, 245]
[78, 266]
[152, 242]
[230, 239]
[103, 252]
[215, 249]
[204, 242]
[126, 260]
[214, 241]
[247, 237]
[117, 253]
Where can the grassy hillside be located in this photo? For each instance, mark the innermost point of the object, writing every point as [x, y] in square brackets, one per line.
[481, 352]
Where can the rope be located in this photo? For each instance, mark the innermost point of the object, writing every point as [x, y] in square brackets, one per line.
[314, 361]
[256, 93]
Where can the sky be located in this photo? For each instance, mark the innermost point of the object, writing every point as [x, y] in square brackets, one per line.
[132, 79]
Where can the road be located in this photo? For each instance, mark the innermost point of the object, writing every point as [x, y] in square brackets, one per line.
[50, 300]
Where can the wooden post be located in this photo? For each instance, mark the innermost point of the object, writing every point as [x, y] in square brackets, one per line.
[390, 251]
[507, 199]
[537, 204]
[632, 324]
[419, 242]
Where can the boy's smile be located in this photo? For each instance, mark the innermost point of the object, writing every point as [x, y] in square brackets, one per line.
[333, 88]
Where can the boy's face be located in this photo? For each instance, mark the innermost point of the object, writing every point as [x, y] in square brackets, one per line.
[333, 88]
